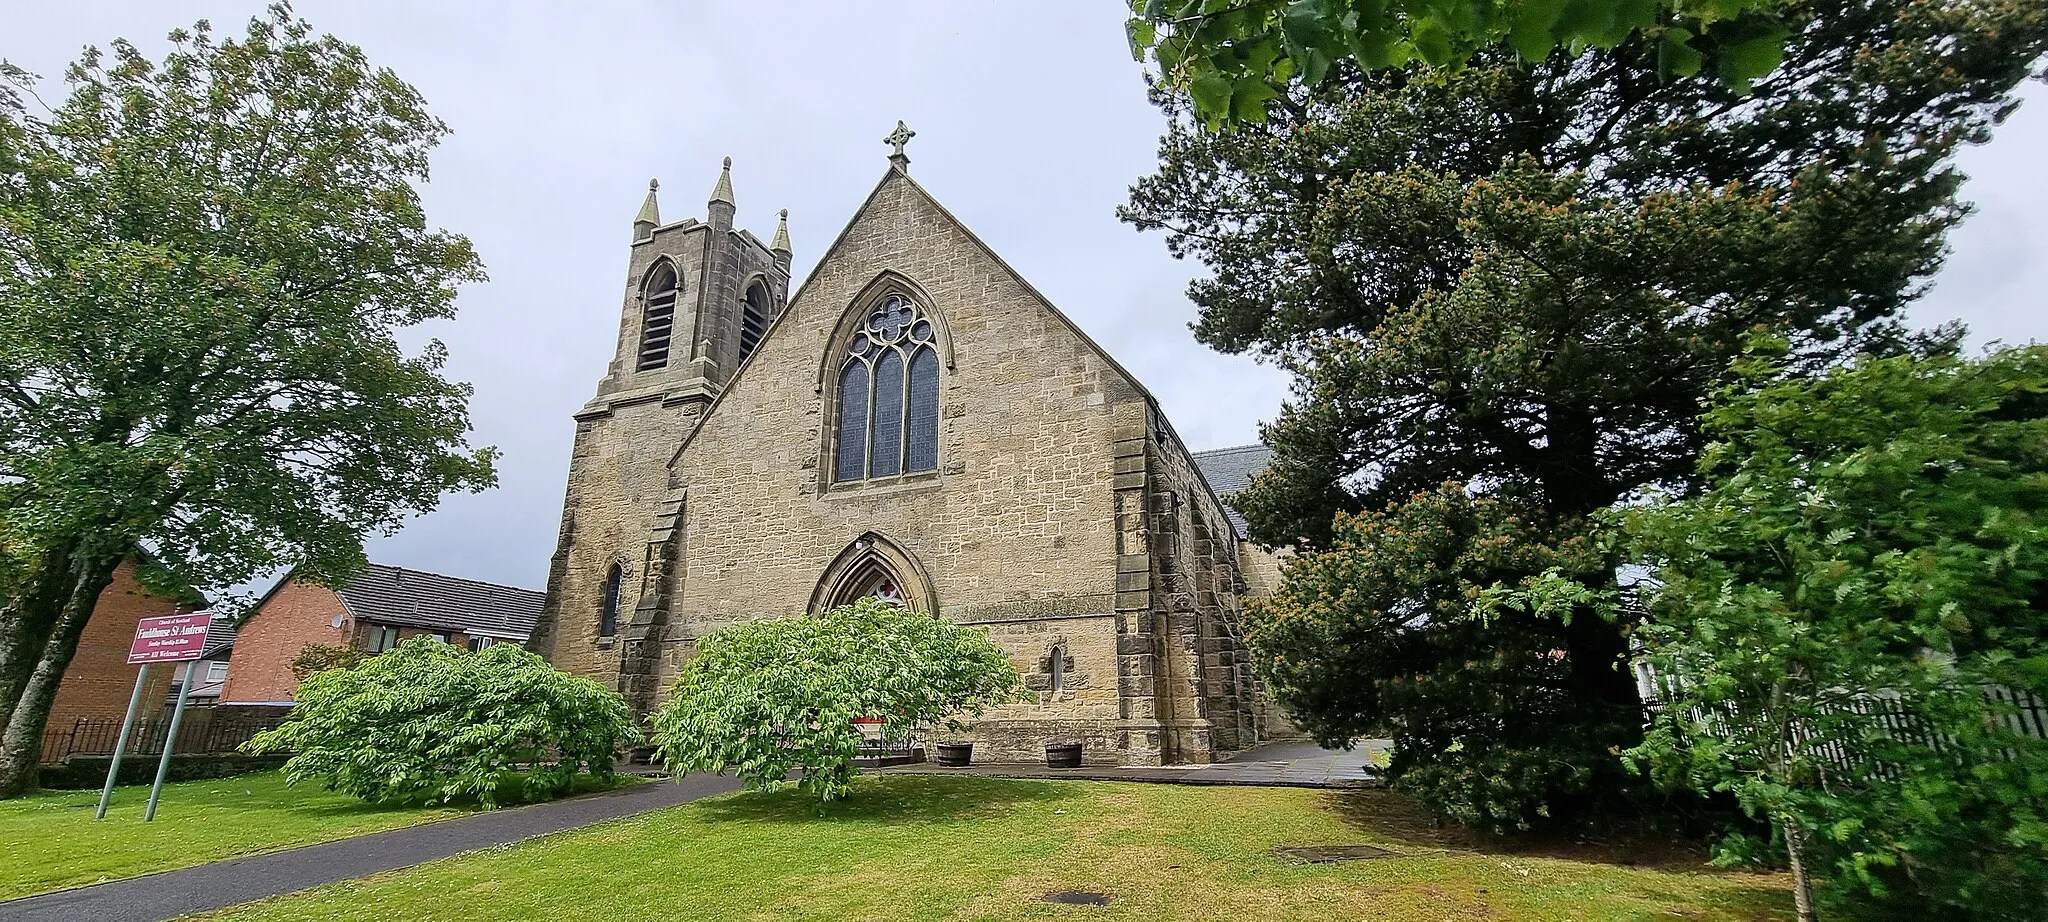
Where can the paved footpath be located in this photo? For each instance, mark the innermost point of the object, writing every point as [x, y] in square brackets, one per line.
[225, 883]
[1288, 764]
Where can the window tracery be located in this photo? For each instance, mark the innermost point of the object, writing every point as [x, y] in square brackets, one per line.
[888, 396]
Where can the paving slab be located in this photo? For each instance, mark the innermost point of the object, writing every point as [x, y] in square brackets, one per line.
[168, 895]
[1287, 764]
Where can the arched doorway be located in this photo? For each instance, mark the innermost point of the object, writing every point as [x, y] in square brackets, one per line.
[874, 567]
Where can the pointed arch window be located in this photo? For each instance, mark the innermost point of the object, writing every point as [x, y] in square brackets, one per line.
[755, 312]
[657, 317]
[614, 594]
[888, 395]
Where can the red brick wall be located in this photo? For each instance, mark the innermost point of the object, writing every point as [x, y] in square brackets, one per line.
[295, 617]
[99, 680]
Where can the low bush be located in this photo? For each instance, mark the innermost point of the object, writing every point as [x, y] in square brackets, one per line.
[768, 698]
[429, 723]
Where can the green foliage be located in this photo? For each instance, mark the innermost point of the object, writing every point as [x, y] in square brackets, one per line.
[428, 722]
[1875, 540]
[321, 657]
[765, 698]
[1383, 633]
[1527, 277]
[1234, 56]
[204, 265]
[204, 262]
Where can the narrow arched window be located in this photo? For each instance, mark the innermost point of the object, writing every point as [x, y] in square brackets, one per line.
[755, 312]
[608, 610]
[888, 413]
[1059, 668]
[657, 317]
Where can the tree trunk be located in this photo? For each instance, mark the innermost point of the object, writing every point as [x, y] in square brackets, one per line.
[26, 621]
[1600, 675]
[21, 742]
[1802, 885]
[18, 645]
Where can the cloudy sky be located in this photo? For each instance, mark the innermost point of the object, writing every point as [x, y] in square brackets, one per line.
[1031, 123]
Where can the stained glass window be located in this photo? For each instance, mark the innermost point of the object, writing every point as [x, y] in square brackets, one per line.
[891, 427]
[885, 451]
[921, 442]
[853, 421]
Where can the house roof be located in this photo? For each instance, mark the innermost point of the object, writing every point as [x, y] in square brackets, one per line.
[1229, 470]
[220, 637]
[395, 595]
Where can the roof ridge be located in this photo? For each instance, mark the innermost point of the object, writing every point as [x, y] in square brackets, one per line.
[1254, 446]
[459, 579]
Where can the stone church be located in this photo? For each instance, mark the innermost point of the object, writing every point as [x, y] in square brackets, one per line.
[917, 423]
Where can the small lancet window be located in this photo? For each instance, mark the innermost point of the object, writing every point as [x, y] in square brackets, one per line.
[614, 593]
[657, 317]
[888, 413]
[1059, 668]
[755, 312]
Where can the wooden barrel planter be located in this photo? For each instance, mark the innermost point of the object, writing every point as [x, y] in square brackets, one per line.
[1063, 755]
[955, 755]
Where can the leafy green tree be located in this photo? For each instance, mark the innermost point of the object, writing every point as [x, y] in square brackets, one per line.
[429, 722]
[1232, 57]
[203, 262]
[1526, 278]
[1842, 614]
[1392, 597]
[321, 657]
[767, 698]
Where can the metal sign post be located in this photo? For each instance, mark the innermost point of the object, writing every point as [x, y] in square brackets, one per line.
[121, 744]
[163, 765]
[170, 639]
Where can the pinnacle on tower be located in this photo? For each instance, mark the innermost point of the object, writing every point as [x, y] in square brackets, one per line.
[649, 217]
[723, 191]
[781, 242]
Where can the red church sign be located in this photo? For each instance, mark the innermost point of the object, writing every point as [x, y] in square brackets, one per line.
[169, 639]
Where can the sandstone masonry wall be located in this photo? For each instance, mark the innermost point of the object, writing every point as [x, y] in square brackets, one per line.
[1040, 524]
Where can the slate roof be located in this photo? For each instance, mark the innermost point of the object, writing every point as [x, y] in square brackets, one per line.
[395, 595]
[220, 637]
[1229, 470]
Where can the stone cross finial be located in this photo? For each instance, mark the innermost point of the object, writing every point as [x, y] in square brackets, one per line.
[898, 138]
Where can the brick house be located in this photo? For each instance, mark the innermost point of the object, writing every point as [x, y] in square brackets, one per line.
[210, 671]
[99, 680]
[374, 612]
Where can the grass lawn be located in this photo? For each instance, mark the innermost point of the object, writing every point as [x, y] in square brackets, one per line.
[50, 841]
[924, 847]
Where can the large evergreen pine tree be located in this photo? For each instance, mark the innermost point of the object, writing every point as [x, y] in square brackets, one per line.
[1520, 281]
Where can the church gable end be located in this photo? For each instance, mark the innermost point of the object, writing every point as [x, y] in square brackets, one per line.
[920, 425]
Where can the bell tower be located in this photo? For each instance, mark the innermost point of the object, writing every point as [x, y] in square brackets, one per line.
[698, 297]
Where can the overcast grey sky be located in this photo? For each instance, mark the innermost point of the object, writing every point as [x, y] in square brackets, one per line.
[1031, 123]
